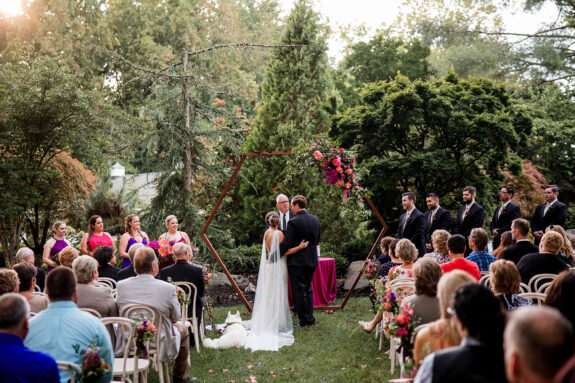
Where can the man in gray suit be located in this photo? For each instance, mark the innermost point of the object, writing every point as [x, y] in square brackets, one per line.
[146, 289]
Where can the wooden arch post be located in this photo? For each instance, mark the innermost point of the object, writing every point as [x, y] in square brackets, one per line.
[225, 269]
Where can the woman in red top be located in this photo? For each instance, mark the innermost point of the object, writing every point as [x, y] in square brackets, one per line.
[95, 237]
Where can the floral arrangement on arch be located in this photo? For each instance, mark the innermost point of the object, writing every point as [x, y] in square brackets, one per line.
[93, 365]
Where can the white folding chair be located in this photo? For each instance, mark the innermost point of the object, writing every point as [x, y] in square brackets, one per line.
[539, 298]
[191, 292]
[155, 316]
[538, 279]
[107, 282]
[128, 365]
[73, 370]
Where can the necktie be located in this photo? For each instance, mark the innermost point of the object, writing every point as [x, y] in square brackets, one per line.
[500, 211]
[284, 222]
[546, 209]
[405, 221]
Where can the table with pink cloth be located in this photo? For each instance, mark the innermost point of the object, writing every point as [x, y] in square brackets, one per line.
[323, 283]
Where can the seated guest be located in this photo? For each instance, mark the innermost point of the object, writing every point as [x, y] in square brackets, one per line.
[18, 363]
[129, 272]
[519, 230]
[384, 269]
[425, 303]
[546, 261]
[407, 253]
[184, 271]
[456, 247]
[561, 294]
[478, 242]
[104, 255]
[505, 281]
[67, 255]
[90, 295]
[538, 342]
[8, 281]
[25, 254]
[27, 276]
[442, 333]
[479, 358]
[384, 248]
[146, 289]
[62, 325]
[507, 241]
[440, 252]
[566, 252]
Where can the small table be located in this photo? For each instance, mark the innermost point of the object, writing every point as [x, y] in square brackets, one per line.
[324, 283]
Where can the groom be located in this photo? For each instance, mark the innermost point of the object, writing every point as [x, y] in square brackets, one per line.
[301, 265]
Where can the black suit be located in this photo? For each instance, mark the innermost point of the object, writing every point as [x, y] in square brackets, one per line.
[183, 271]
[126, 273]
[503, 223]
[556, 215]
[516, 252]
[473, 219]
[302, 264]
[441, 221]
[108, 271]
[540, 263]
[467, 363]
[290, 215]
[414, 229]
[40, 277]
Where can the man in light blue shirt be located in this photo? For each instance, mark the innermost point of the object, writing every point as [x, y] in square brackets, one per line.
[62, 325]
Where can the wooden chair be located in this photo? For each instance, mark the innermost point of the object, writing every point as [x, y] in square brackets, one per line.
[128, 365]
[72, 369]
[538, 279]
[191, 292]
[540, 298]
[543, 288]
[107, 282]
[485, 280]
[91, 311]
[155, 316]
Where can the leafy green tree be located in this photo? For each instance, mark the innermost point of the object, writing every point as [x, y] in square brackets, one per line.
[433, 136]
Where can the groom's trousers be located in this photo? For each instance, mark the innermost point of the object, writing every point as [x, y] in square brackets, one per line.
[300, 278]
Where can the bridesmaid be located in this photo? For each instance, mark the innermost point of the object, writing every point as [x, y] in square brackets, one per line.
[95, 237]
[132, 236]
[54, 245]
[173, 235]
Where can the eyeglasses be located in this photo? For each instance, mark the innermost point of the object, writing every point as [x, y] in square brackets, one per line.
[283, 202]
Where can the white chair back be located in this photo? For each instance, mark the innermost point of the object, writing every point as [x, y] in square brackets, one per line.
[537, 280]
[106, 282]
[191, 292]
[534, 297]
[523, 288]
[485, 280]
[91, 311]
[543, 288]
[37, 288]
[73, 370]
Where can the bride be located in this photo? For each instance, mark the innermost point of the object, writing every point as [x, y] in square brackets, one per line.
[271, 324]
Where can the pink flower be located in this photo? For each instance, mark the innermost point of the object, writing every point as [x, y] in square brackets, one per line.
[401, 332]
[348, 185]
[340, 150]
[336, 161]
[339, 169]
[317, 155]
[349, 171]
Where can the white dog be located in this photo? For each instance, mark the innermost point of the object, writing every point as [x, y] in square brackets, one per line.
[235, 334]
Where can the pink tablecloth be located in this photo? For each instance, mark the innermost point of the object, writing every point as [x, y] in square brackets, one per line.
[323, 283]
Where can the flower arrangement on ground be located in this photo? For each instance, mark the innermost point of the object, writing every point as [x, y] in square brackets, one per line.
[144, 330]
[93, 365]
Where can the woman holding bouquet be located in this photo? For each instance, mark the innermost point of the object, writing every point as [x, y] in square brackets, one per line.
[131, 236]
[96, 236]
[54, 245]
[173, 235]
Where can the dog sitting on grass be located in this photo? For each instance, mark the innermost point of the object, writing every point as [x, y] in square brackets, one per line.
[234, 334]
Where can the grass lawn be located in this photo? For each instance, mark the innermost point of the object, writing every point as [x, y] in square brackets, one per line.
[335, 349]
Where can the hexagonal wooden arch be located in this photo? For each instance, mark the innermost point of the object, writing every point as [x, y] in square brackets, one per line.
[225, 269]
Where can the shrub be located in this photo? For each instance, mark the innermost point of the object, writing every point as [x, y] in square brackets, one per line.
[356, 250]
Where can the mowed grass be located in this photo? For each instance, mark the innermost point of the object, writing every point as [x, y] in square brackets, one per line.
[335, 349]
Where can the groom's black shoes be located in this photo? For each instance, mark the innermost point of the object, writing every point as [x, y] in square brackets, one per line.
[307, 324]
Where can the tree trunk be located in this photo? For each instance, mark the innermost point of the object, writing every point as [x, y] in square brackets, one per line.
[11, 229]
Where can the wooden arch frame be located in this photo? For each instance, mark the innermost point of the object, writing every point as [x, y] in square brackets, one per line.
[225, 269]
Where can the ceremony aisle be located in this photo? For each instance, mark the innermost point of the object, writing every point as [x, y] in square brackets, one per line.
[333, 350]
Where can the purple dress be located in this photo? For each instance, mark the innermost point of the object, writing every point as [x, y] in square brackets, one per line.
[59, 245]
[126, 261]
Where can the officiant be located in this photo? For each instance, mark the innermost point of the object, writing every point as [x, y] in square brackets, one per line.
[282, 203]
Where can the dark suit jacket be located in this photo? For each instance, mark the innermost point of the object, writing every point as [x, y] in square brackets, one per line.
[414, 230]
[474, 218]
[303, 226]
[40, 277]
[468, 363]
[503, 223]
[555, 216]
[290, 215]
[183, 271]
[126, 273]
[516, 252]
[533, 264]
[108, 271]
[442, 221]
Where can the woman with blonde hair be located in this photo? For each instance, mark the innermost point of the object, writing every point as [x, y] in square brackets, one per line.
[440, 253]
[54, 245]
[442, 333]
[566, 252]
[406, 251]
[173, 235]
[507, 241]
[131, 236]
[505, 282]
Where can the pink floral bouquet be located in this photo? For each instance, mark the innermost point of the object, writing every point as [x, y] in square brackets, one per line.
[145, 329]
[93, 365]
[163, 249]
[401, 326]
[370, 272]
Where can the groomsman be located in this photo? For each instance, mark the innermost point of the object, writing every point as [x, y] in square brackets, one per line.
[436, 218]
[412, 223]
[470, 215]
[282, 203]
[548, 213]
[504, 214]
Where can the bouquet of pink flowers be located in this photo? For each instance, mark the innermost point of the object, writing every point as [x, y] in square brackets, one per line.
[370, 272]
[402, 326]
[163, 249]
[93, 365]
[145, 329]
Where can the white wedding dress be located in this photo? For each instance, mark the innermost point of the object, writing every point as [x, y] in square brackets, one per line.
[271, 326]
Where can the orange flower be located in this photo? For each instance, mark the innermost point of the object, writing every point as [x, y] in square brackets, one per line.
[339, 169]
